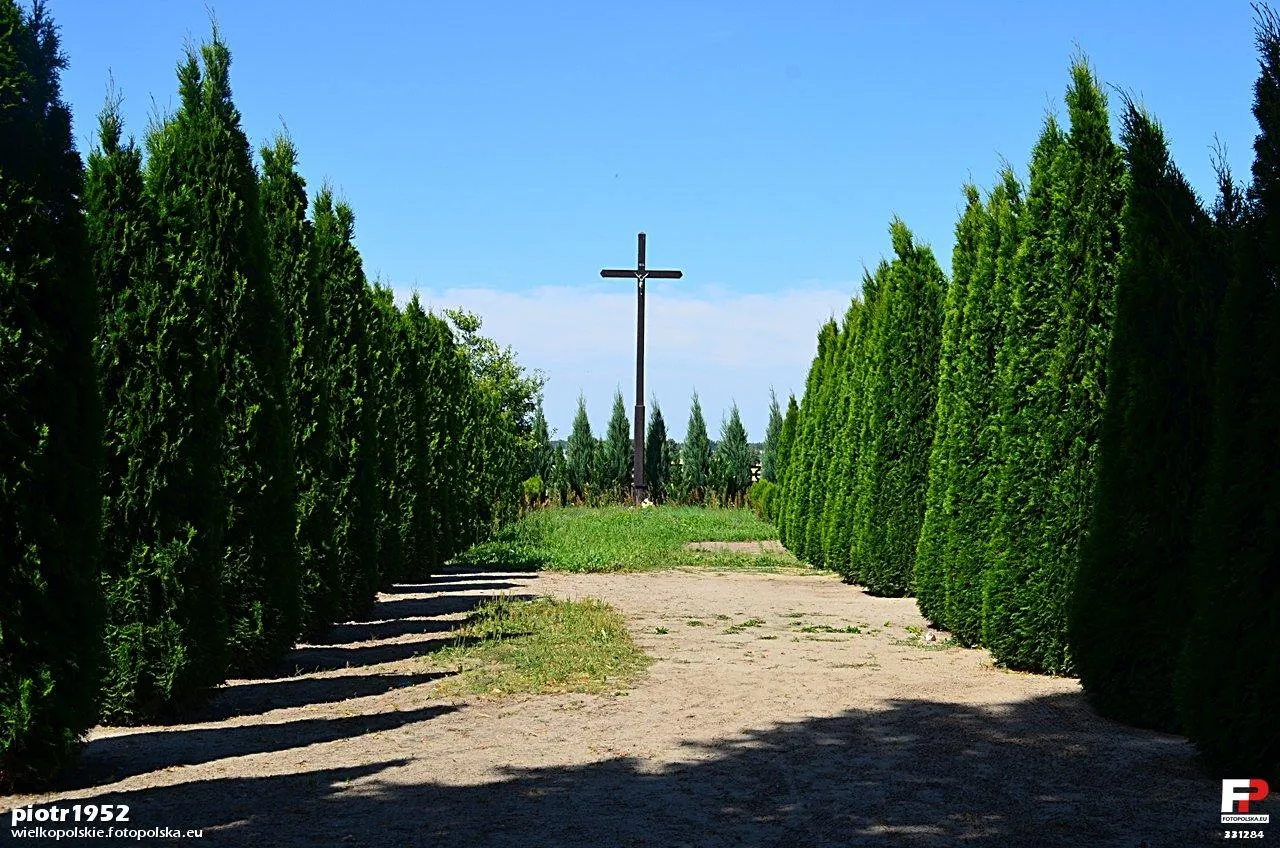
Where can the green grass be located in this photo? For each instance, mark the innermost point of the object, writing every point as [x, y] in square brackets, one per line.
[541, 646]
[619, 538]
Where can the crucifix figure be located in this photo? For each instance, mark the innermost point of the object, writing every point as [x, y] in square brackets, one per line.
[638, 490]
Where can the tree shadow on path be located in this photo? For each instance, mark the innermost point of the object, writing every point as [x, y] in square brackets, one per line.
[1041, 772]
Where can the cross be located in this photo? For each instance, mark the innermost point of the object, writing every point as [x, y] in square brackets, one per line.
[640, 273]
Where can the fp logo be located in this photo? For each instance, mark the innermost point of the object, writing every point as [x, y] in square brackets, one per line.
[1236, 794]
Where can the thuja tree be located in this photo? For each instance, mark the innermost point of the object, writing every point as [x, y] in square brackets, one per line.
[165, 629]
[1029, 589]
[428, 441]
[1021, 403]
[844, 477]
[386, 345]
[974, 423]
[900, 404]
[657, 455]
[51, 436]
[769, 451]
[1226, 689]
[731, 463]
[542, 456]
[579, 452]
[939, 516]
[618, 453]
[212, 218]
[826, 416]
[834, 476]
[349, 370]
[695, 456]
[786, 441]
[303, 297]
[1132, 600]
[800, 467]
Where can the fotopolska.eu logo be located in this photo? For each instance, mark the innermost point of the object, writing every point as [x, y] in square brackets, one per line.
[1237, 795]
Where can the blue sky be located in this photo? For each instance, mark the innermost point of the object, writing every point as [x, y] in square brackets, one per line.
[497, 155]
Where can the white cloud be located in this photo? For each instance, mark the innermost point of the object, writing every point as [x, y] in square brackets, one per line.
[727, 345]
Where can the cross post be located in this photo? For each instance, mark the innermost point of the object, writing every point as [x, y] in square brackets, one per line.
[639, 491]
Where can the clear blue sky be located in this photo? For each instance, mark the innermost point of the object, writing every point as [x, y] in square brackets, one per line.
[499, 154]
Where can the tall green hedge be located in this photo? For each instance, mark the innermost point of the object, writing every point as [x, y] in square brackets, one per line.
[301, 290]
[1132, 600]
[1228, 682]
[51, 424]
[210, 219]
[930, 577]
[900, 404]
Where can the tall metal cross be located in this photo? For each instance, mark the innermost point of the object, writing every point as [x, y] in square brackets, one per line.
[638, 490]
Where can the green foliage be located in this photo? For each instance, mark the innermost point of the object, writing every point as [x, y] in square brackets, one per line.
[798, 484]
[1132, 600]
[1228, 682]
[350, 373]
[899, 404]
[786, 450]
[930, 578]
[1048, 476]
[695, 457]
[165, 625]
[658, 456]
[731, 463]
[51, 422]
[618, 452]
[303, 297]
[772, 433]
[580, 452]
[211, 219]
[387, 340]
[761, 498]
[542, 457]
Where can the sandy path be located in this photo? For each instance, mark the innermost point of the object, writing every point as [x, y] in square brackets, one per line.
[765, 736]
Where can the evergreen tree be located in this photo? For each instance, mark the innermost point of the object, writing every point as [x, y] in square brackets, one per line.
[302, 295]
[1028, 590]
[657, 455]
[695, 456]
[165, 626]
[786, 440]
[580, 452]
[834, 542]
[617, 452]
[427, 444]
[1227, 685]
[207, 189]
[543, 459]
[827, 414]
[731, 462]
[930, 580]
[387, 354]
[769, 453]
[900, 406]
[1021, 406]
[50, 416]
[350, 375]
[975, 433]
[1132, 600]
[844, 481]
[800, 470]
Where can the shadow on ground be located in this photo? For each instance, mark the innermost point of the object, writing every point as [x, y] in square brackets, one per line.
[1043, 772]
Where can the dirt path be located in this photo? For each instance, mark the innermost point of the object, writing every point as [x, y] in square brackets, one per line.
[790, 732]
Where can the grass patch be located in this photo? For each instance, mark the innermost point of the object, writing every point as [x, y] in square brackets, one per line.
[620, 538]
[750, 622]
[512, 647]
[827, 628]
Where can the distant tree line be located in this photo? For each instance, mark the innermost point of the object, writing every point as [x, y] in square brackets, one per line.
[590, 470]
[1068, 450]
[216, 435]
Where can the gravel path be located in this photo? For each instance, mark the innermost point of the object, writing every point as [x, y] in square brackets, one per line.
[765, 721]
